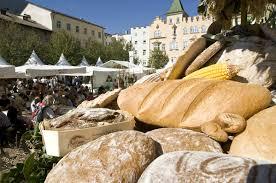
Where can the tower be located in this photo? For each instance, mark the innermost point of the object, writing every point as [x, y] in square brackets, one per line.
[176, 13]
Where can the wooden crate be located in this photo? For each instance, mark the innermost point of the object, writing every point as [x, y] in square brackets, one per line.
[60, 142]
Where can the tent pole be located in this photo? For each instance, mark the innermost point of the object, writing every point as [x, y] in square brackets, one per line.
[92, 85]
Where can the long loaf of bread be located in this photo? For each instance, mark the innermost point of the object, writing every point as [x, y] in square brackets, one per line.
[190, 103]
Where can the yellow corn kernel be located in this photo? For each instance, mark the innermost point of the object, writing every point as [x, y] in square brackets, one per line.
[216, 71]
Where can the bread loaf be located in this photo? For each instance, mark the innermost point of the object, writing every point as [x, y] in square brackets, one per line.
[190, 103]
[177, 139]
[259, 138]
[155, 77]
[117, 157]
[182, 167]
[190, 53]
[102, 100]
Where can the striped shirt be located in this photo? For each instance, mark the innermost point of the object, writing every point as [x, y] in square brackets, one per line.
[4, 121]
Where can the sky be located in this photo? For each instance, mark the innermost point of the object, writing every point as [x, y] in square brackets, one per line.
[116, 16]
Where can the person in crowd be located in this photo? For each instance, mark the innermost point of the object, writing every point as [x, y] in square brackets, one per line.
[35, 105]
[4, 125]
[45, 111]
[101, 90]
[4, 102]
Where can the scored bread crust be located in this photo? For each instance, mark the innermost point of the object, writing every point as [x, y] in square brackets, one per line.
[190, 103]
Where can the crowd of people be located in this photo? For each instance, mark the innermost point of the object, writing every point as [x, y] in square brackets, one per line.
[40, 98]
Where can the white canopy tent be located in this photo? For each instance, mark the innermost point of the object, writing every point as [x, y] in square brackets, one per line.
[84, 62]
[62, 61]
[3, 61]
[34, 60]
[99, 62]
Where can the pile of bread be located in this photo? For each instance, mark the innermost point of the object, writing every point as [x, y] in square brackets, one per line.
[211, 130]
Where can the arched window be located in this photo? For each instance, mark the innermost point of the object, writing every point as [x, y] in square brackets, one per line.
[185, 44]
[173, 45]
[191, 29]
[157, 33]
[196, 29]
[178, 20]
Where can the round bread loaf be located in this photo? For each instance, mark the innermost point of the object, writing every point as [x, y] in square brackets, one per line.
[258, 141]
[117, 157]
[177, 139]
[181, 167]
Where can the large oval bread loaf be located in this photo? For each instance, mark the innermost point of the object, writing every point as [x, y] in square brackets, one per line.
[177, 139]
[187, 167]
[117, 157]
[258, 141]
[190, 103]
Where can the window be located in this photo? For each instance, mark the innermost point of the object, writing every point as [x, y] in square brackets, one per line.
[144, 33]
[85, 30]
[174, 30]
[157, 33]
[178, 20]
[203, 29]
[58, 24]
[144, 52]
[185, 44]
[135, 34]
[93, 33]
[144, 42]
[135, 42]
[77, 29]
[196, 29]
[171, 22]
[68, 26]
[156, 46]
[163, 47]
[99, 35]
[173, 45]
[135, 52]
[185, 31]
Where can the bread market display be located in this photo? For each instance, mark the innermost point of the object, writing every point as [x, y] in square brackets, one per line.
[177, 139]
[258, 141]
[179, 167]
[117, 157]
[190, 103]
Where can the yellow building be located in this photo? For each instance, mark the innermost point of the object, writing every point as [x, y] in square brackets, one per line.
[56, 21]
[174, 33]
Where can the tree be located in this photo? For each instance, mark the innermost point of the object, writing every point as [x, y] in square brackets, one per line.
[17, 43]
[158, 59]
[117, 50]
[63, 42]
[225, 10]
[93, 50]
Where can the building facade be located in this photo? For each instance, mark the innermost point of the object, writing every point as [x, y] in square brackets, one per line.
[171, 35]
[140, 43]
[56, 21]
[174, 33]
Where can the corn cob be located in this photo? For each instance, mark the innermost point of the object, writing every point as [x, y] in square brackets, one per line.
[216, 71]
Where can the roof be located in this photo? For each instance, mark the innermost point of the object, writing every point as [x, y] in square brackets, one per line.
[34, 60]
[60, 13]
[84, 62]
[17, 19]
[62, 61]
[118, 64]
[176, 8]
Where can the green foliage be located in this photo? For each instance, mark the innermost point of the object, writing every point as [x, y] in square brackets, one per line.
[63, 42]
[118, 51]
[93, 50]
[16, 43]
[158, 59]
[36, 167]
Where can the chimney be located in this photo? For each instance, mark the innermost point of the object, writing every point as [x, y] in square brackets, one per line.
[26, 17]
[3, 11]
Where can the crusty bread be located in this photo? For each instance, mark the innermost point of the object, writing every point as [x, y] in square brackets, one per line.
[187, 167]
[117, 157]
[177, 139]
[102, 100]
[259, 138]
[155, 77]
[190, 103]
[183, 61]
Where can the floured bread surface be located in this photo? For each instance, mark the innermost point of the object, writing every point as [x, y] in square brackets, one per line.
[177, 139]
[181, 167]
[102, 100]
[88, 117]
[117, 157]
